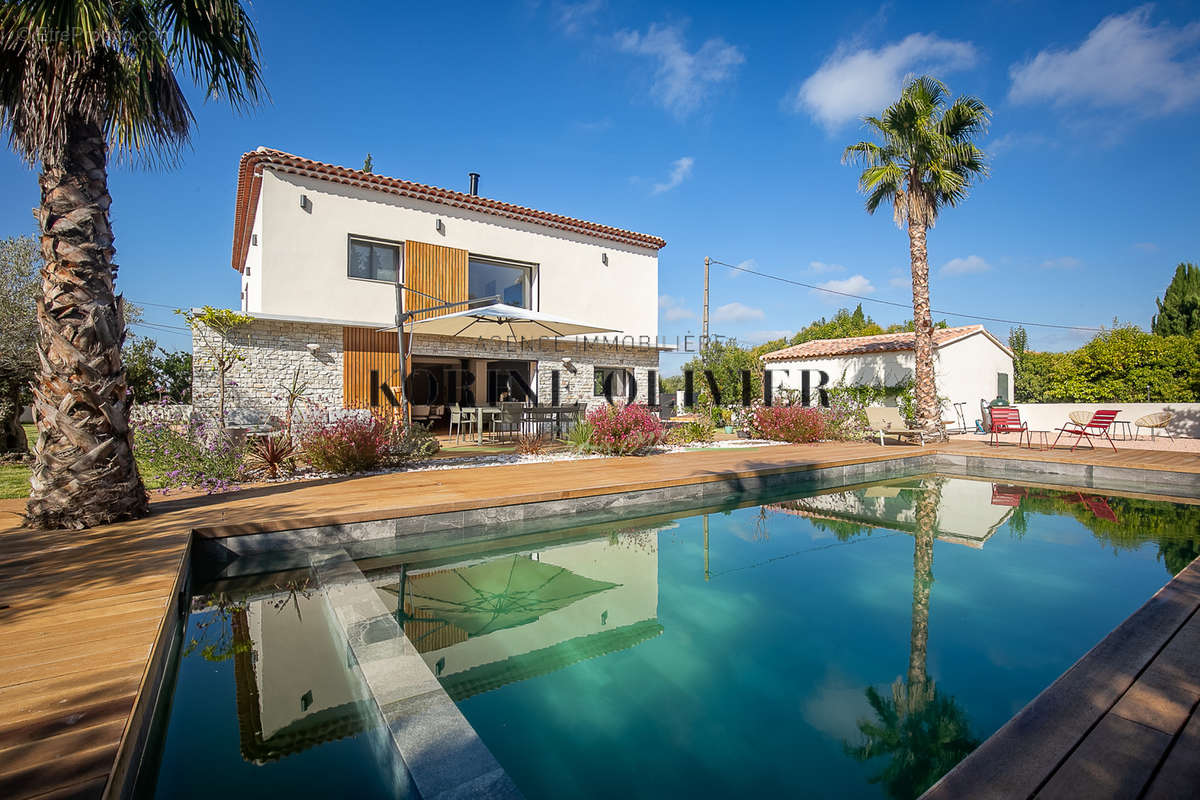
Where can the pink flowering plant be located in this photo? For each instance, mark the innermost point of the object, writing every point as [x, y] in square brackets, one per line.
[348, 443]
[789, 423]
[624, 430]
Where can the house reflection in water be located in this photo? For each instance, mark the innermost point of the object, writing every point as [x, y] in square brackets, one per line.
[479, 624]
[966, 511]
[482, 624]
[295, 685]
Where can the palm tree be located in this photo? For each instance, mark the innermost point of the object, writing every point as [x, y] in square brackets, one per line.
[924, 731]
[76, 79]
[925, 161]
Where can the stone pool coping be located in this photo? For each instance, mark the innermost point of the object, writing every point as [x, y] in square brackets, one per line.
[63, 729]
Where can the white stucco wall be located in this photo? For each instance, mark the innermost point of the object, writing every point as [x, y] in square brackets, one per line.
[304, 257]
[1048, 416]
[965, 371]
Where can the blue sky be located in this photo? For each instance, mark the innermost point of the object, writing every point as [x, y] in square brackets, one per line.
[720, 128]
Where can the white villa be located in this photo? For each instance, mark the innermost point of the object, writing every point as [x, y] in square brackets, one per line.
[970, 364]
[320, 249]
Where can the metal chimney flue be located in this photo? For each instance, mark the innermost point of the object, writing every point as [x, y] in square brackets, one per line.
[474, 176]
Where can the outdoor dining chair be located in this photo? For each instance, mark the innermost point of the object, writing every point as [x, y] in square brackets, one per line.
[459, 417]
[1005, 419]
[511, 416]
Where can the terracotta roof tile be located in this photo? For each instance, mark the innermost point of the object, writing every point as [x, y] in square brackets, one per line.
[250, 184]
[861, 345]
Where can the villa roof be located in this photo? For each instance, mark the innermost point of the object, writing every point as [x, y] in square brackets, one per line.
[882, 343]
[250, 183]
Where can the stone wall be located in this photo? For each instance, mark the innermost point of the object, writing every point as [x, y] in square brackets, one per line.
[254, 389]
[274, 349]
[573, 387]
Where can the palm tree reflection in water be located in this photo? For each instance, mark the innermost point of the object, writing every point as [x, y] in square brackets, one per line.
[923, 731]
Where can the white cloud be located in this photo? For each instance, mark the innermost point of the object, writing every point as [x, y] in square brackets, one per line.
[573, 17]
[736, 312]
[681, 168]
[821, 266]
[1018, 141]
[965, 266]
[853, 82]
[1063, 262]
[1123, 62]
[672, 308]
[682, 79]
[749, 263]
[855, 284]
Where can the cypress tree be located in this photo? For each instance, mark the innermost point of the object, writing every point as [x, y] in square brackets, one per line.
[1179, 307]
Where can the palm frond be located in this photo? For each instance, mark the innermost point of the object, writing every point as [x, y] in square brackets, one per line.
[967, 117]
[216, 40]
[111, 64]
[865, 153]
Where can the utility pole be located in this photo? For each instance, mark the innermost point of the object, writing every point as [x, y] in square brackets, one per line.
[704, 323]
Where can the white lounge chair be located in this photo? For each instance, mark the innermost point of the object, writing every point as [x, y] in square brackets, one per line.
[887, 422]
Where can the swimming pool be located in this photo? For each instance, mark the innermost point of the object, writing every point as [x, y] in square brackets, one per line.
[852, 643]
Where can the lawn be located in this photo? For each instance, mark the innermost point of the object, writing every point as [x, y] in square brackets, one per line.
[14, 478]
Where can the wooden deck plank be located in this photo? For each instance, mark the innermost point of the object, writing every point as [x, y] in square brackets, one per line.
[85, 608]
[1114, 762]
[1179, 774]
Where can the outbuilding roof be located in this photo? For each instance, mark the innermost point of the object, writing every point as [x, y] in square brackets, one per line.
[882, 343]
[250, 184]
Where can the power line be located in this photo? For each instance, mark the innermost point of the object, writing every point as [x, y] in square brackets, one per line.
[160, 326]
[155, 305]
[904, 305]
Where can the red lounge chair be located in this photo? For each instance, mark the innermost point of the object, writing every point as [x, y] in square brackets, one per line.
[1097, 426]
[1006, 419]
[1005, 495]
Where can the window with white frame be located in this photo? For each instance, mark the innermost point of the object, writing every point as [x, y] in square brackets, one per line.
[374, 260]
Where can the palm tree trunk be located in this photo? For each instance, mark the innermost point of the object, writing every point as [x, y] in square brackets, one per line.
[929, 417]
[85, 473]
[919, 687]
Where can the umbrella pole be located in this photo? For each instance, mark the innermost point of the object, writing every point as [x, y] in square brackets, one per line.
[401, 318]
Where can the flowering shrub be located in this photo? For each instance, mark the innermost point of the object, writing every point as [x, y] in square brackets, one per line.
[624, 430]
[192, 453]
[789, 423]
[350, 443]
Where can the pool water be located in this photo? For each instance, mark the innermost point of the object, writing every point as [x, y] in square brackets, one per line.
[846, 644]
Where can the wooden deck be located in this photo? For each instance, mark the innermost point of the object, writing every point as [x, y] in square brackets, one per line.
[81, 613]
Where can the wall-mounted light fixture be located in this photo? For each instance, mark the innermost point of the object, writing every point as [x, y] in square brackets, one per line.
[570, 365]
[441, 226]
[604, 259]
[313, 347]
[305, 203]
[253, 239]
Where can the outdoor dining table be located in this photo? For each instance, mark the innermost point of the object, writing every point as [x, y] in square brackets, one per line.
[482, 413]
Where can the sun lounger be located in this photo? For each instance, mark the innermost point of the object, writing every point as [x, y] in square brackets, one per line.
[887, 422]
[1096, 426]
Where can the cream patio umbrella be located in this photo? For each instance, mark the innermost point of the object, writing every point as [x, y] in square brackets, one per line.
[504, 322]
